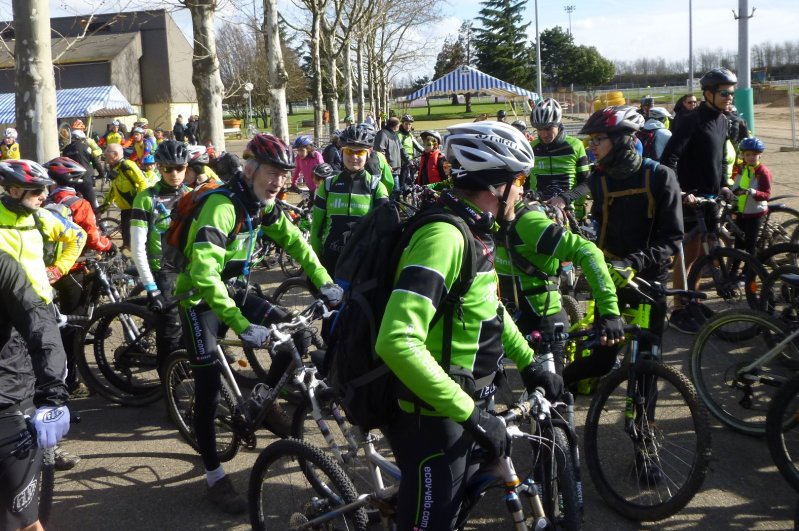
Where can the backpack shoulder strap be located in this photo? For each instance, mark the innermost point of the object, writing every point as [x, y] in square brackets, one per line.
[517, 259]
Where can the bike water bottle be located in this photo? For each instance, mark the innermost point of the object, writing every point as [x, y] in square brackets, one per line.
[256, 400]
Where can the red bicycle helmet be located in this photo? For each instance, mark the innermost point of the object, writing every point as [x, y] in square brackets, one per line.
[23, 173]
[65, 171]
[270, 149]
[618, 119]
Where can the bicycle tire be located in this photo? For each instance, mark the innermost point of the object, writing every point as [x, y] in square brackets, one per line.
[572, 308]
[109, 226]
[779, 298]
[784, 217]
[725, 282]
[782, 431]
[740, 401]
[290, 267]
[781, 254]
[123, 371]
[556, 473]
[682, 444]
[276, 484]
[178, 392]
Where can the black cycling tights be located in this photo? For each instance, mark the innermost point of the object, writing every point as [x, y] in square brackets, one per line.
[433, 454]
[20, 463]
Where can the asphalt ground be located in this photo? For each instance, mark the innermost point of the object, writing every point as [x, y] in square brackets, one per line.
[137, 474]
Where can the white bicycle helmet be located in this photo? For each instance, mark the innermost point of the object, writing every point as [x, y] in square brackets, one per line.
[488, 145]
[547, 113]
[659, 113]
[11, 133]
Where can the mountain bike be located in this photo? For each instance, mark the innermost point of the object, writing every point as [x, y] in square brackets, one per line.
[782, 431]
[238, 417]
[740, 359]
[647, 436]
[295, 485]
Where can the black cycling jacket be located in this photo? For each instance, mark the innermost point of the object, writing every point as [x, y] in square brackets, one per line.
[696, 150]
[37, 369]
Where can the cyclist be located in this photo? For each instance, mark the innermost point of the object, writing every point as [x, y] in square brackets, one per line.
[9, 149]
[127, 181]
[560, 160]
[647, 102]
[442, 409]
[67, 174]
[696, 151]
[530, 249]
[31, 390]
[25, 227]
[150, 219]
[159, 135]
[405, 134]
[113, 135]
[521, 125]
[82, 152]
[332, 153]
[150, 170]
[344, 198]
[216, 253]
[387, 142]
[431, 163]
[501, 116]
[376, 163]
[307, 159]
[199, 170]
[655, 134]
[97, 151]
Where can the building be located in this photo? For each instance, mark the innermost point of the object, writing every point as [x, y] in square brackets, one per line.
[143, 53]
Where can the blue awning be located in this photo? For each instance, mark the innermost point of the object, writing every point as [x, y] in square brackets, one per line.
[468, 79]
[76, 103]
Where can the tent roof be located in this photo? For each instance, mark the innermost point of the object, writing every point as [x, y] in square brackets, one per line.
[468, 79]
[75, 103]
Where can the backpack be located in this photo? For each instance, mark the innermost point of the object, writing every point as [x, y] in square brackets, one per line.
[364, 383]
[62, 210]
[187, 208]
[647, 138]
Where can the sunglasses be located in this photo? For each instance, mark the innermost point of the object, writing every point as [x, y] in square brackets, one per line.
[360, 152]
[170, 169]
[520, 180]
[596, 140]
[725, 93]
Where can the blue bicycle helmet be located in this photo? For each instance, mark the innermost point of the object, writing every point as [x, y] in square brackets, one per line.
[302, 141]
[752, 144]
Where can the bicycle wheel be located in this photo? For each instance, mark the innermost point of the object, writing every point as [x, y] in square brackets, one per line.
[734, 276]
[109, 227]
[179, 393]
[291, 268]
[780, 297]
[782, 431]
[282, 497]
[780, 255]
[671, 432]
[724, 346]
[556, 472]
[572, 308]
[785, 221]
[124, 368]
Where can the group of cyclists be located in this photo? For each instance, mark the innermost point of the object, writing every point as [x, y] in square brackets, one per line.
[482, 172]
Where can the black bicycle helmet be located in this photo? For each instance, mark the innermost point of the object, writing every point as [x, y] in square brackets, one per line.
[357, 135]
[172, 153]
[270, 149]
[23, 173]
[65, 171]
[323, 171]
[407, 118]
[521, 125]
[619, 119]
[717, 76]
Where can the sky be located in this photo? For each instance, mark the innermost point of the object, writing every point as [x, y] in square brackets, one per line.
[620, 30]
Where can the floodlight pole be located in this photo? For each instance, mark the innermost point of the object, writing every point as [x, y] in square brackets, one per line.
[570, 9]
[539, 85]
[744, 100]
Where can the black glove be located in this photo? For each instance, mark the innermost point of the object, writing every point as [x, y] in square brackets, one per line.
[535, 376]
[489, 432]
[112, 252]
[156, 302]
[621, 272]
[611, 327]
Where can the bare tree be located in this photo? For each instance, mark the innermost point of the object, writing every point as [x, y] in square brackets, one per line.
[34, 82]
[205, 75]
[278, 78]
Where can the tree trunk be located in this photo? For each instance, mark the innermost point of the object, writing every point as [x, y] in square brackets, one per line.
[361, 80]
[276, 71]
[316, 62]
[205, 76]
[468, 98]
[34, 82]
[348, 107]
[332, 102]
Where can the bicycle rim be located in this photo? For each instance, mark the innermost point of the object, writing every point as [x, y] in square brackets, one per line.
[291, 268]
[674, 436]
[281, 496]
[724, 346]
[179, 391]
[556, 473]
[782, 432]
[779, 297]
[124, 366]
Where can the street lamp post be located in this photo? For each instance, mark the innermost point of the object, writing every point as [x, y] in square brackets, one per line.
[248, 89]
[570, 10]
[539, 84]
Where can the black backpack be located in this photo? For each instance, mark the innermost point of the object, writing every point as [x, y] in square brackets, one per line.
[647, 138]
[366, 270]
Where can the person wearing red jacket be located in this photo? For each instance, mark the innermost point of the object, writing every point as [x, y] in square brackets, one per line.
[69, 289]
[431, 163]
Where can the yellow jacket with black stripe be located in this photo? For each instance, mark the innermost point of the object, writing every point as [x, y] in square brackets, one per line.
[128, 181]
[22, 236]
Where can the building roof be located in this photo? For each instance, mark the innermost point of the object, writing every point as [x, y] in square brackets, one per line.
[92, 48]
